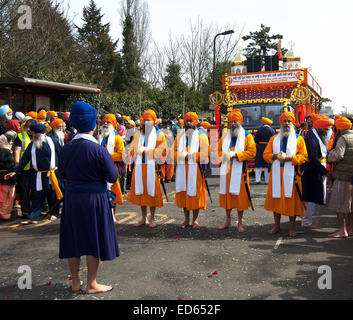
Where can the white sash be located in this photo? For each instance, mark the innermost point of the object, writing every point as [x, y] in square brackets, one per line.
[288, 173]
[152, 139]
[180, 174]
[39, 185]
[323, 149]
[322, 146]
[110, 142]
[110, 148]
[237, 167]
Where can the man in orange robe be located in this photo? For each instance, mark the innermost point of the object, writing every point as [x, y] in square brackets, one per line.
[116, 148]
[191, 150]
[147, 146]
[234, 148]
[285, 151]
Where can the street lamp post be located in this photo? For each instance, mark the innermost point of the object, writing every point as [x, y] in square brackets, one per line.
[214, 54]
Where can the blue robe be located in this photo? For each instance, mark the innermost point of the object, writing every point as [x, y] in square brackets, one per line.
[264, 134]
[43, 163]
[313, 171]
[87, 226]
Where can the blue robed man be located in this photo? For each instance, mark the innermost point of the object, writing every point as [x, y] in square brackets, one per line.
[87, 227]
[42, 152]
[262, 138]
[314, 178]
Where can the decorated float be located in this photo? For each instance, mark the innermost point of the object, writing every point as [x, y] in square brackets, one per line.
[281, 83]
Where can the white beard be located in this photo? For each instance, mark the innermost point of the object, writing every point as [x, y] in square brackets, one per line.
[287, 132]
[38, 141]
[60, 135]
[8, 117]
[107, 131]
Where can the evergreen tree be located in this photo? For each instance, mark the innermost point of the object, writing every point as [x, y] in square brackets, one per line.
[99, 51]
[172, 80]
[262, 41]
[131, 78]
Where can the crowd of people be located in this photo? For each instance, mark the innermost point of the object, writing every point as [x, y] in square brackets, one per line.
[90, 161]
[321, 161]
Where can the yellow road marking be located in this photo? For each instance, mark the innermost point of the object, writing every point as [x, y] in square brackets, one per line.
[28, 227]
[130, 215]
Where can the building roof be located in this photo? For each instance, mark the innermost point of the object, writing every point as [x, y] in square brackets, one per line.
[70, 87]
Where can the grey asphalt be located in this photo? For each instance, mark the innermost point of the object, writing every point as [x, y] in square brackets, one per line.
[168, 263]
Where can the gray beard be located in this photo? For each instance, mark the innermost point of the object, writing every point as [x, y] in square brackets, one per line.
[38, 141]
[235, 132]
[323, 138]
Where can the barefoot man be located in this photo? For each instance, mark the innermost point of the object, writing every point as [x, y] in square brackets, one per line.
[285, 151]
[115, 146]
[234, 149]
[87, 226]
[147, 145]
[191, 150]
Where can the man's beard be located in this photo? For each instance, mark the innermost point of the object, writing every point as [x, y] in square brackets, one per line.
[323, 137]
[38, 141]
[60, 135]
[286, 131]
[8, 118]
[235, 131]
[107, 130]
[147, 129]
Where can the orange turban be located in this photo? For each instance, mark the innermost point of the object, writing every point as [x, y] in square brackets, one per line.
[322, 123]
[149, 115]
[41, 116]
[52, 113]
[235, 115]
[32, 114]
[266, 121]
[181, 121]
[342, 123]
[205, 125]
[314, 117]
[56, 123]
[110, 118]
[287, 115]
[191, 116]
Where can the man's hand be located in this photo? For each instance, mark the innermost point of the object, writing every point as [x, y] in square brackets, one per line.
[184, 155]
[9, 176]
[141, 151]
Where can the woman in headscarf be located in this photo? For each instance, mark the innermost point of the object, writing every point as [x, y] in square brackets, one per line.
[7, 188]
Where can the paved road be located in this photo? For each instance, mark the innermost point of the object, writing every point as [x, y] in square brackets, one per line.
[168, 263]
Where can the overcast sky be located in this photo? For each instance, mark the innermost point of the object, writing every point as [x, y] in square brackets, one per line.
[321, 30]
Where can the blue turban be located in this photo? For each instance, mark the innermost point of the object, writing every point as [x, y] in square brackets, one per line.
[4, 109]
[83, 116]
[38, 128]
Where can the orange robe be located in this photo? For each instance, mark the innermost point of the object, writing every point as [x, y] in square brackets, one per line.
[117, 156]
[182, 199]
[286, 206]
[230, 201]
[145, 200]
